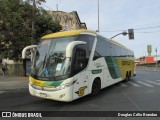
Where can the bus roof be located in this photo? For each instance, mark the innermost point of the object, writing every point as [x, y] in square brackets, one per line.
[77, 32]
[115, 43]
[120, 45]
[67, 33]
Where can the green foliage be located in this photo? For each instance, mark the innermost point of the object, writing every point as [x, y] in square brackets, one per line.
[16, 26]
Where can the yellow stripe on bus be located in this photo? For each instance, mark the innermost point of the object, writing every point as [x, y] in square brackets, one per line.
[67, 33]
[36, 82]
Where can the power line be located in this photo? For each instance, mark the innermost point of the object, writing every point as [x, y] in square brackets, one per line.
[147, 28]
[134, 29]
[47, 7]
[149, 32]
[114, 31]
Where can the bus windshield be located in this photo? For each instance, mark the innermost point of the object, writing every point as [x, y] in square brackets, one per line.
[49, 59]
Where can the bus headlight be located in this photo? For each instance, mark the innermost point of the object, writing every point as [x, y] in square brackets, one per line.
[64, 86]
[61, 87]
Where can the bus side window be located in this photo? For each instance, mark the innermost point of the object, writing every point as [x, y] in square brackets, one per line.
[80, 60]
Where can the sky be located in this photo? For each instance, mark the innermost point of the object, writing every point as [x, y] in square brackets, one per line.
[116, 16]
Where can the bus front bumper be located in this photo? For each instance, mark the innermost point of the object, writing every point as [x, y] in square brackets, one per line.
[59, 95]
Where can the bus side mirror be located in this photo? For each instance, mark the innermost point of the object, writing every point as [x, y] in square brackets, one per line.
[25, 50]
[70, 47]
[25, 57]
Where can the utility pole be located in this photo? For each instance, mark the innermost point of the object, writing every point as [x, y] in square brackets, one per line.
[98, 17]
[33, 22]
[57, 6]
[130, 34]
[156, 56]
[123, 33]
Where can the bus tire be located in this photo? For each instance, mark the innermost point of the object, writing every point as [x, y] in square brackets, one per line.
[127, 77]
[96, 87]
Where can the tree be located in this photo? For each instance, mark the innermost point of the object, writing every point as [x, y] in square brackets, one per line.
[16, 27]
[36, 1]
[45, 25]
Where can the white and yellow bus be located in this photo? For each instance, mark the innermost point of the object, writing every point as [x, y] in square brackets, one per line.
[72, 64]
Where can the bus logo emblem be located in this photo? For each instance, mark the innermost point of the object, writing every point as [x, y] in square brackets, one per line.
[80, 92]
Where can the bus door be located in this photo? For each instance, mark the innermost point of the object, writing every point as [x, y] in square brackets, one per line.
[80, 75]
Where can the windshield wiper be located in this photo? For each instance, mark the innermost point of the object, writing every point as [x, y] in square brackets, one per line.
[56, 77]
[44, 61]
[43, 64]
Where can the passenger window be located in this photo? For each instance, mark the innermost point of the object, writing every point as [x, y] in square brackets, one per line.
[80, 59]
[89, 40]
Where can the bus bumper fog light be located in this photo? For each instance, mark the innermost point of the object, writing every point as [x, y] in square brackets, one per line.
[61, 96]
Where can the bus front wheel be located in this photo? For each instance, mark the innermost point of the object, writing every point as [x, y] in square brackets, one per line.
[96, 87]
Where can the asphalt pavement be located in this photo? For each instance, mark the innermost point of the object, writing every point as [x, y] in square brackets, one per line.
[141, 93]
[12, 82]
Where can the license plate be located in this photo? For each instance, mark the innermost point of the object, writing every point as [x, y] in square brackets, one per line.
[43, 95]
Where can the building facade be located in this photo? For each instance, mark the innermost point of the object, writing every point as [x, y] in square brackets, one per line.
[146, 59]
[68, 21]
[149, 61]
